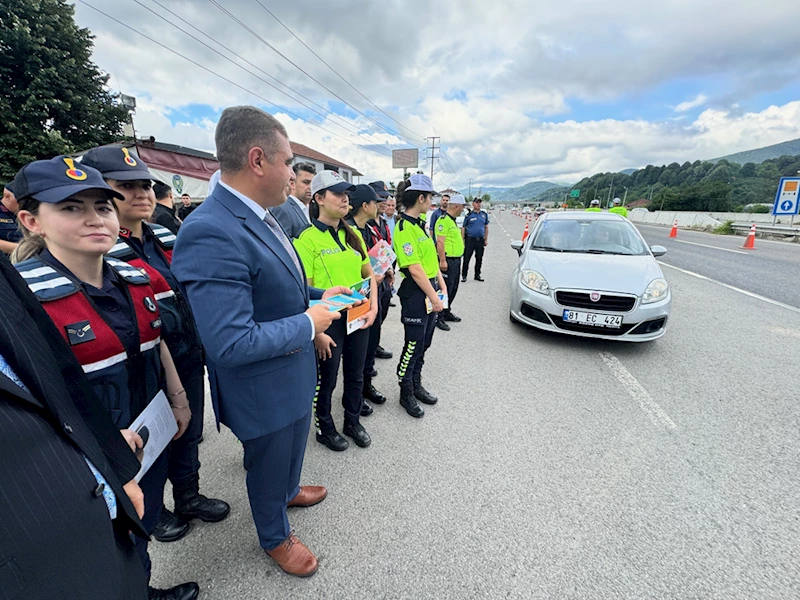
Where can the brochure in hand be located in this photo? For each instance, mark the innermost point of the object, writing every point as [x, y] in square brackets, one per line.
[156, 426]
[381, 257]
[442, 297]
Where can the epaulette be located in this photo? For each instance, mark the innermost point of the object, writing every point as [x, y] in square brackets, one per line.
[128, 272]
[44, 281]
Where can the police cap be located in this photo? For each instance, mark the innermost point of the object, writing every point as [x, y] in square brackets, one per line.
[117, 163]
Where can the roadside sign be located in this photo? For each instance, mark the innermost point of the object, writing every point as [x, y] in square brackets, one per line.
[575, 194]
[787, 200]
[408, 158]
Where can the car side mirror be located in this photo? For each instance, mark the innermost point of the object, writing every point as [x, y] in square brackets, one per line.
[658, 250]
[517, 245]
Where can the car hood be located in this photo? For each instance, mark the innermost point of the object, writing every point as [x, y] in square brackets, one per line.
[596, 272]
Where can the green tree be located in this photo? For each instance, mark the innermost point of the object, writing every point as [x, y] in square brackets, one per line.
[54, 99]
[487, 197]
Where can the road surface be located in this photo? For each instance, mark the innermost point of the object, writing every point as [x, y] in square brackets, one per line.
[554, 467]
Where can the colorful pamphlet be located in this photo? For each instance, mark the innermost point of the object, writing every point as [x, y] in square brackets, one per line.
[442, 297]
[381, 257]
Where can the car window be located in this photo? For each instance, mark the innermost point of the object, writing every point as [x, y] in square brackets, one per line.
[590, 236]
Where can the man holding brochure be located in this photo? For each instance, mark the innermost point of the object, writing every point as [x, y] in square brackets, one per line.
[251, 301]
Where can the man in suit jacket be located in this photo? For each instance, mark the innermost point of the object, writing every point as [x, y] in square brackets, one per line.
[293, 214]
[64, 513]
[251, 299]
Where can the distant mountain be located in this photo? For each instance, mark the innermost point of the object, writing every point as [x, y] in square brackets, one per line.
[629, 171]
[529, 191]
[759, 155]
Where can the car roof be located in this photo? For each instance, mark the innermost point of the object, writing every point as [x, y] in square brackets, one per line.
[580, 215]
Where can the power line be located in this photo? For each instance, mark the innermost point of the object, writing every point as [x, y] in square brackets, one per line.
[340, 122]
[335, 71]
[245, 70]
[299, 68]
[225, 79]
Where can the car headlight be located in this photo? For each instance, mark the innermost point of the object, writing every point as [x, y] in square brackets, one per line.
[656, 291]
[535, 281]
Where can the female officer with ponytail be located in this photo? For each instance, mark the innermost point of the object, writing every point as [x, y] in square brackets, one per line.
[333, 254]
[419, 298]
[143, 243]
[105, 309]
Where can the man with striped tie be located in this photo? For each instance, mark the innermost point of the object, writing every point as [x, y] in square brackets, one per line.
[250, 298]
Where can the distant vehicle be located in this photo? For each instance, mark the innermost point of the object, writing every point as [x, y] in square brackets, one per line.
[590, 275]
[640, 210]
[539, 212]
[502, 208]
[526, 210]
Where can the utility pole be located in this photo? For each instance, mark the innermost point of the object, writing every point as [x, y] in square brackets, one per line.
[610, 190]
[625, 197]
[469, 193]
[433, 150]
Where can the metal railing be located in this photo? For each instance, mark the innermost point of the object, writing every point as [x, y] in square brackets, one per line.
[785, 231]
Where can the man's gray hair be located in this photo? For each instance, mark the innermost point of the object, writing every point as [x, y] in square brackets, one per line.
[241, 128]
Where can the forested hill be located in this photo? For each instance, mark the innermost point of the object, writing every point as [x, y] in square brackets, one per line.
[701, 185]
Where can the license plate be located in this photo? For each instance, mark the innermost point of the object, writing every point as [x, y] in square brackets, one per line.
[593, 319]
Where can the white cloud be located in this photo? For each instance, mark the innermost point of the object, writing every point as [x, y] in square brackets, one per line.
[494, 81]
[699, 100]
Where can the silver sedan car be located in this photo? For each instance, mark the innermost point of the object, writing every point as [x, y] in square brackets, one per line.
[590, 274]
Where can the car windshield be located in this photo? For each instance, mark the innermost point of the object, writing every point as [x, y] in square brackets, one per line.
[589, 236]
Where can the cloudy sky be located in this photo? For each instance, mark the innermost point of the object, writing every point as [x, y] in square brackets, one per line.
[517, 90]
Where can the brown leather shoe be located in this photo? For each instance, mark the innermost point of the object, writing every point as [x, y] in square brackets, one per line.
[294, 557]
[309, 495]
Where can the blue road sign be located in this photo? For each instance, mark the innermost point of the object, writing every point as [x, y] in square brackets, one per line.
[787, 200]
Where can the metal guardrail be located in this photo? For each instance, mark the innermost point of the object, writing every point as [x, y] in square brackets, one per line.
[781, 230]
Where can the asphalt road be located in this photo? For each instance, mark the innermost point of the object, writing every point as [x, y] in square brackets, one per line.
[552, 467]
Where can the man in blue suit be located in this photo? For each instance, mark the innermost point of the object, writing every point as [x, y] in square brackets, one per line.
[251, 299]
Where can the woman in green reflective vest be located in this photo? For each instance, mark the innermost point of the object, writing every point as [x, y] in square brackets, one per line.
[333, 254]
[419, 298]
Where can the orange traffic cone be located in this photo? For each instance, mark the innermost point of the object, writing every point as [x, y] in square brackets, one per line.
[750, 242]
[526, 232]
[674, 232]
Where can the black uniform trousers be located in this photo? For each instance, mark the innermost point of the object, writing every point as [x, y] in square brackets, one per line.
[351, 351]
[451, 280]
[184, 455]
[473, 244]
[152, 485]
[418, 325]
[384, 297]
[274, 462]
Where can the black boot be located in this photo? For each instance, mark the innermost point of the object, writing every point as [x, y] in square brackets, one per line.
[184, 591]
[170, 527]
[421, 394]
[366, 409]
[371, 394]
[381, 352]
[191, 504]
[408, 401]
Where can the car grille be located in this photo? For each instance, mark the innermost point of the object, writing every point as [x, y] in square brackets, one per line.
[607, 301]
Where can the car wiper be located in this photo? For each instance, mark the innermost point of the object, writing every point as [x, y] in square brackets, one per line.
[607, 252]
[546, 248]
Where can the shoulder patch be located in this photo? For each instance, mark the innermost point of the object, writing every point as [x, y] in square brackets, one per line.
[128, 272]
[44, 281]
[408, 249]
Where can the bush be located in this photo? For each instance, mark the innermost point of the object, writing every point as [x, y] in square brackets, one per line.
[760, 209]
[725, 229]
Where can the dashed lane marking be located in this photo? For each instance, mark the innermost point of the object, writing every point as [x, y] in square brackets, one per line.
[734, 288]
[638, 393]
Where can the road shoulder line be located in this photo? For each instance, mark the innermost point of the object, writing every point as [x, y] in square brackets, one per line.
[733, 288]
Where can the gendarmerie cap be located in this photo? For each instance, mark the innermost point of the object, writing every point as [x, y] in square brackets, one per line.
[117, 163]
[57, 179]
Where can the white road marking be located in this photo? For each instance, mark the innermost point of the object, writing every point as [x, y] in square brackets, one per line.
[733, 288]
[713, 247]
[637, 392]
[784, 331]
[785, 244]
